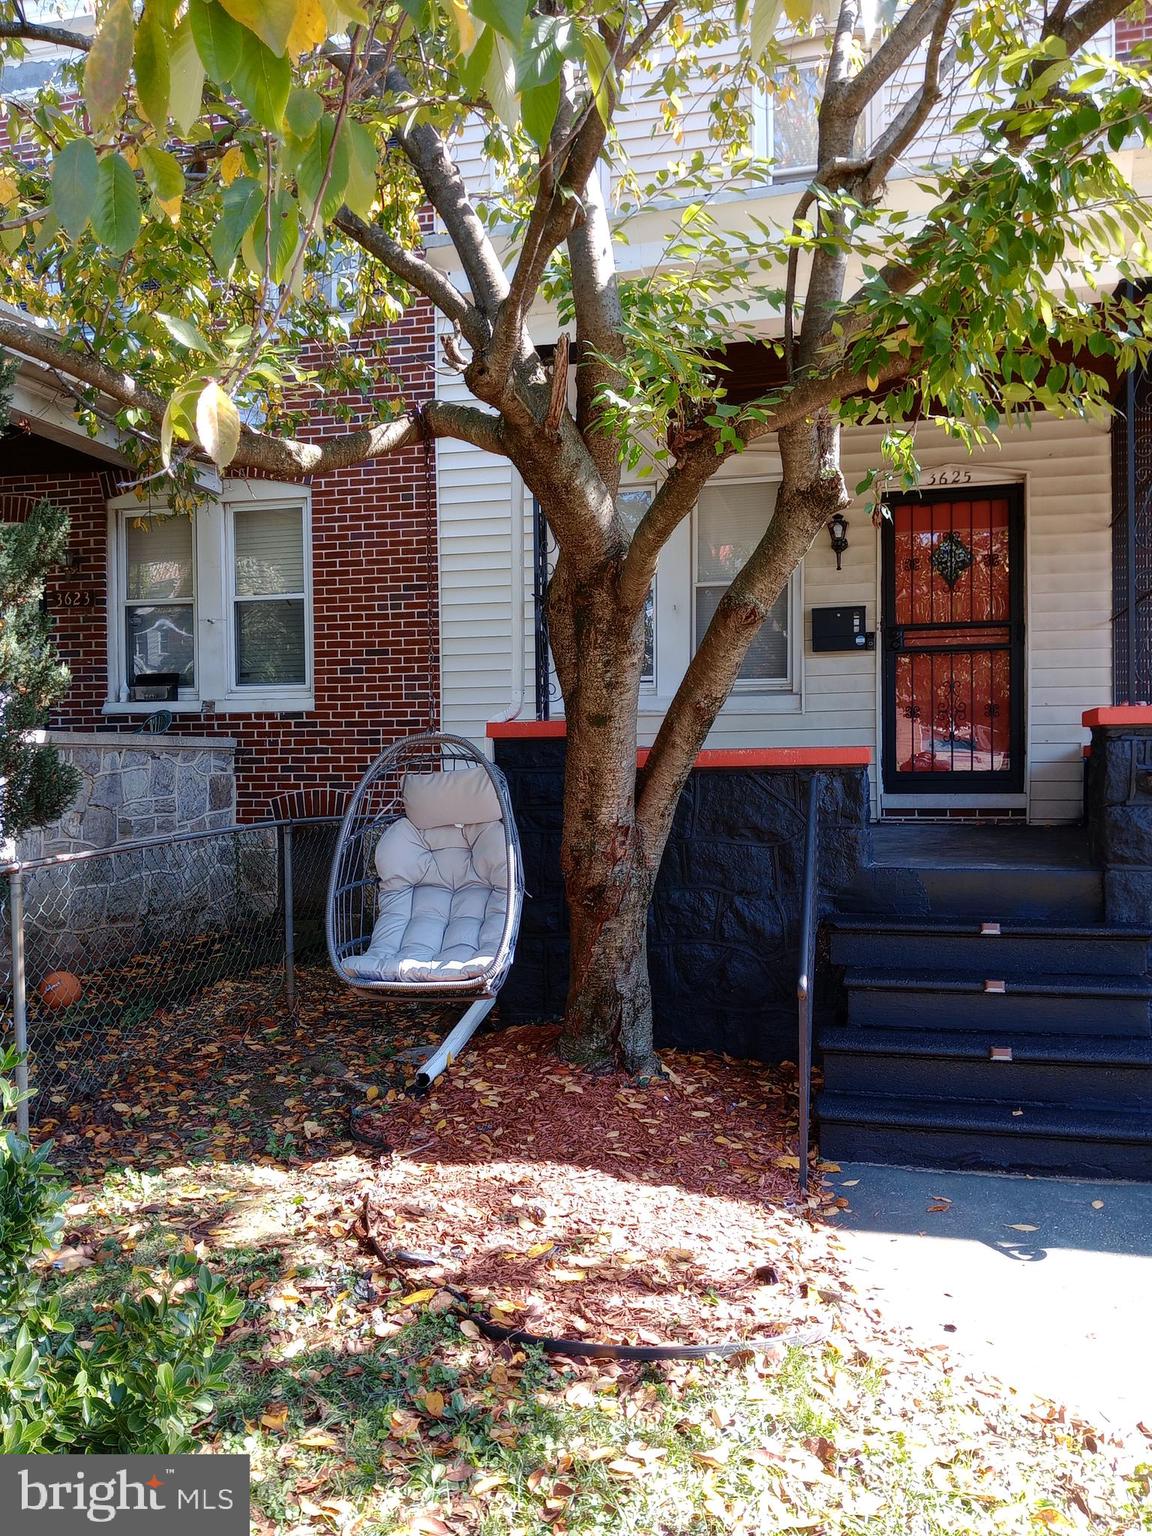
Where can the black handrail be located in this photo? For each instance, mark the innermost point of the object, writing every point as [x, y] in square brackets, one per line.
[805, 981]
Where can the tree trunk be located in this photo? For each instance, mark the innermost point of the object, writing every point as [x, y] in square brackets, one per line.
[608, 872]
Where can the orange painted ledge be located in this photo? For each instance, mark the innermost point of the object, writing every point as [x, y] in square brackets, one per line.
[717, 757]
[1118, 714]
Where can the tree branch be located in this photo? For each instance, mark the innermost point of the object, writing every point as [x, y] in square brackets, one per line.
[905, 127]
[284, 457]
[412, 269]
[899, 46]
[599, 326]
[33, 32]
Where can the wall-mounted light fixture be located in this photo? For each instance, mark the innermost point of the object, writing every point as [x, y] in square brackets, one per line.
[838, 533]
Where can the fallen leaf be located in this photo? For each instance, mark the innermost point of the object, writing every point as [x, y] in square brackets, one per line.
[434, 1404]
[275, 1418]
[1022, 1226]
[1097, 1205]
[417, 1297]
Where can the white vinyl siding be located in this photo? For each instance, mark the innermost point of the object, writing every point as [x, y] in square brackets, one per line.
[1064, 467]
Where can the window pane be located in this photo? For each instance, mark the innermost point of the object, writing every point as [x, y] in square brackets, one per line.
[161, 640]
[767, 658]
[730, 522]
[794, 106]
[159, 557]
[270, 643]
[269, 550]
[632, 506]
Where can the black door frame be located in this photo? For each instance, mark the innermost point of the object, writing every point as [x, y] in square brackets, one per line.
[1010, 781]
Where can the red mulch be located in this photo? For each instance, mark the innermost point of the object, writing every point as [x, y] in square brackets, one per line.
[578, 1205]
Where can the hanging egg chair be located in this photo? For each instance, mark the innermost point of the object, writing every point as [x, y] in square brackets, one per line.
[427, 885]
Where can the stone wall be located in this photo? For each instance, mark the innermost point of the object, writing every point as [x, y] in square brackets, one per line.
[138, 786]
[1118, 805]
[91, 913]
[723, 933]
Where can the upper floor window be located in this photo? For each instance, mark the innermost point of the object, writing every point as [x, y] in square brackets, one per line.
[222, 599]
[792, 105]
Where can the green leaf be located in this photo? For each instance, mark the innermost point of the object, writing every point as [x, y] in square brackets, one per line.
[765, 15]
[270, 20]
[163, 173]
[218, 38]
[601, 75]
[507, 16]
[303, 112]
[538, 108]
[74, 186]
[116, 211]
[361, 189]
[241, 203]
[109, 63]
[500, 83]
[187, 334]
[327, 154]
[217, 424]
[186, 69]
[152, 77]
[552, 39]
[262, 81]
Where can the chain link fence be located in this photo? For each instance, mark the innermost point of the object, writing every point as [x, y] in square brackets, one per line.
[101, 952]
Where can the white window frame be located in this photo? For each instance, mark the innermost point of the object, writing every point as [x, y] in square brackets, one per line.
[213, 586]
[236, 495]
[801, 55]
[752, 685]
[121, 512]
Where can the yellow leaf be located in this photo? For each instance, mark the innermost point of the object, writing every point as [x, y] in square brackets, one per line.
[309, 28]
[538, 1248]
[275, 1418]
[417, 1297]
[8, 189]
[1022, 1226]
[372, 1093]
[231, 165]
[434, 1404]
[319, 1439]
[788, 1161]
[489, 1482]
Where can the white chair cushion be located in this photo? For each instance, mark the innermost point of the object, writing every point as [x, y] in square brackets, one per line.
[443, 897]
[457, 797]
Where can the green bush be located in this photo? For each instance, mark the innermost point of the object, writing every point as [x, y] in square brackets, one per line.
[137, 1377]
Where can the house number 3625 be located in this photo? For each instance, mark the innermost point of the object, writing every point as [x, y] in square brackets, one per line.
[948, 477]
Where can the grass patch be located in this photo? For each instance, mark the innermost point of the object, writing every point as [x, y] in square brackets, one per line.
[363, 1413]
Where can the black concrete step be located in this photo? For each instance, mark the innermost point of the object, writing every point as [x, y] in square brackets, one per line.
[1058, 1069]
[1065, 1004]
[1019, 949]
[1083, 1141]
[1034, 893]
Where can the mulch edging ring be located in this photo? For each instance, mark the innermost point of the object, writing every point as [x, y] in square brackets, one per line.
[584, 1348]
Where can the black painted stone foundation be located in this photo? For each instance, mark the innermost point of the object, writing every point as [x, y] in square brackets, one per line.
[1118, 802]
[723, 932]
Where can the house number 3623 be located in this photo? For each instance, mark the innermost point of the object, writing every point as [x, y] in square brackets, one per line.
[947, 477]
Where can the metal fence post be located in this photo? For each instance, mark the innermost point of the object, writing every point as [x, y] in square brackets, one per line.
[19, 994]
[289, 916]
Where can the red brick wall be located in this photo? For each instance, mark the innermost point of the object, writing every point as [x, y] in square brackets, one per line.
[375, 610]
[1133, 28]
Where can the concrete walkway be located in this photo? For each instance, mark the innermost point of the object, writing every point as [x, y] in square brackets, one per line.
[1064, 1310]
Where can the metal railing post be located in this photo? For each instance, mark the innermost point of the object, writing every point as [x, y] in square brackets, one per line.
[289, 916]
[19, 994]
